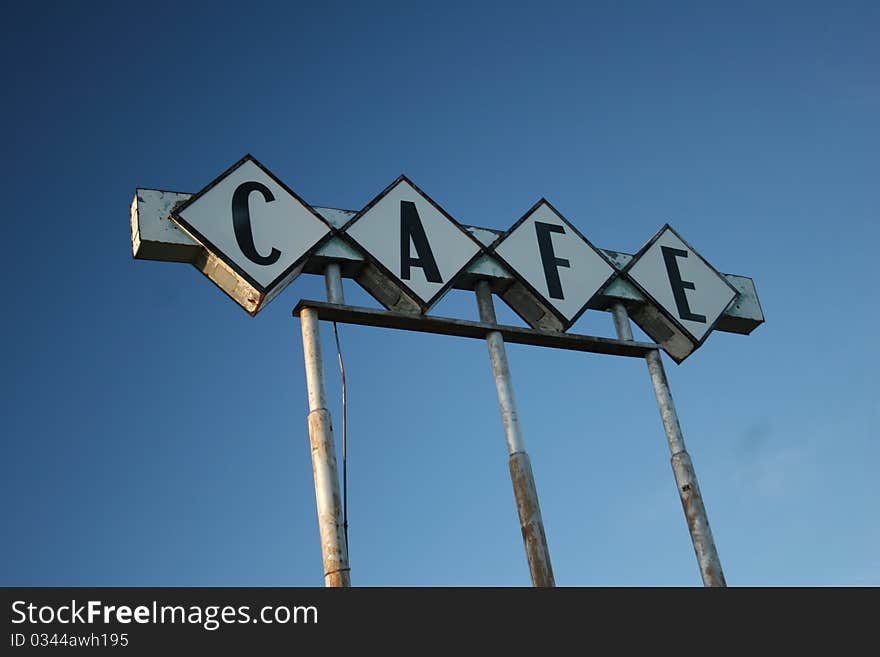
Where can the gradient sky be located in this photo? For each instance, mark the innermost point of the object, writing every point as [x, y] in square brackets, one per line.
[155, 434]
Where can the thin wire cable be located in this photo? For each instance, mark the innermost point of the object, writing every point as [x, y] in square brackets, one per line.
[344, 440]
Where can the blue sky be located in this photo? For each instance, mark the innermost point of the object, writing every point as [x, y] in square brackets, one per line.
[154, 434]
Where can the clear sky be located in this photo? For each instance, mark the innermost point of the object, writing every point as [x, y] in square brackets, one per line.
[155, 434]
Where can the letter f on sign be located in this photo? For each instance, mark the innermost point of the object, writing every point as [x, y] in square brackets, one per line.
[548, 258]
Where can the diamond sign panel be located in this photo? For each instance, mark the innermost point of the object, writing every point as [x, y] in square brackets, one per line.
[258, 229]
[689, 293]
[413, 241]
[554, 261]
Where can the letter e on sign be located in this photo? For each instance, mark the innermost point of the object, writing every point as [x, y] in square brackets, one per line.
[689, 293]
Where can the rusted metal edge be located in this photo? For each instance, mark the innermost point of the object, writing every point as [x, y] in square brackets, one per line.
[467, 329]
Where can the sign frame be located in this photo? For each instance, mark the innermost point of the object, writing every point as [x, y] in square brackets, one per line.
[423, 306]
[566, 324]
[223, 257]
[660, 307]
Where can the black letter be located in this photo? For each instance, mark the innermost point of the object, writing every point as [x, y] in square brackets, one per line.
[678, 285]
[411, 227]
[241, 222]
[548, 258]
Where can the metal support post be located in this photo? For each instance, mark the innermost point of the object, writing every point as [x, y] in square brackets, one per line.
[523, 480]
[327, 497]
[682, 467]
[333, 283]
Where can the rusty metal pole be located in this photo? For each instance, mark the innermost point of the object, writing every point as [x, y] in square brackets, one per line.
[682, 467]
[327, 497]
[534, 539]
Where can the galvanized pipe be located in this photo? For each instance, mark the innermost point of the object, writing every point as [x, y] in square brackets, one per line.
[503, 383]
[333, 283]
[664, 403]
[524, 490]
[682, 467]
[621, 322]
[327, 497]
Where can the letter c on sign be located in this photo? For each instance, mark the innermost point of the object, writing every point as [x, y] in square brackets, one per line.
[241, 222]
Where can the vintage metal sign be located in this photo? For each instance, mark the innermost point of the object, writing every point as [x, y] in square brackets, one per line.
[413, 241]
[688, 295]
[252, 235]
[554, 261]
[256, 226]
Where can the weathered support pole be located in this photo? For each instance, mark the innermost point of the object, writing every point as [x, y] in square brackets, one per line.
[333, 283]
[330, 523]
[682, 467]
[534, 539]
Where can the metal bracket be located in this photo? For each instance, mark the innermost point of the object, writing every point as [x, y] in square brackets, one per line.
[479, 330]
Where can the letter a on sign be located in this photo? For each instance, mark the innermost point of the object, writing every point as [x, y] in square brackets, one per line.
[554, 261]
[686, 290]
[413, 241]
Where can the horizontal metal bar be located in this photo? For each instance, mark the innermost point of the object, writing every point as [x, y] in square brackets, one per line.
[466, 329]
